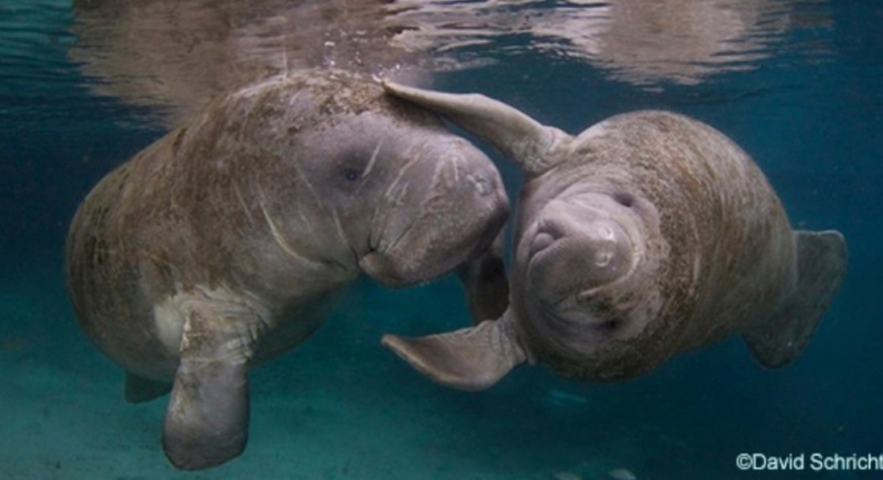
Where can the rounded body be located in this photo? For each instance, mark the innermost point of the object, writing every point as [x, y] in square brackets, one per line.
[712, 250]
[646, 235]
[261, 208]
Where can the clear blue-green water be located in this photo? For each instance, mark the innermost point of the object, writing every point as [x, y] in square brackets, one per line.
[796, 83]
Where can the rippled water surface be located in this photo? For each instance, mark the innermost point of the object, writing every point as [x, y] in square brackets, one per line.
[85, 86]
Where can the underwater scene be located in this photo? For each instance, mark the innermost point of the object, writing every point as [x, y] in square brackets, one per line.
[283, 239]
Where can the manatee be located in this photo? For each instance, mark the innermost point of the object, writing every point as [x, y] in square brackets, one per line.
[223, 244]
[646, 235]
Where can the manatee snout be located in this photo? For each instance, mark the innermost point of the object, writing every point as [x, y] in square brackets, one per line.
[572, 251]
[461, 211]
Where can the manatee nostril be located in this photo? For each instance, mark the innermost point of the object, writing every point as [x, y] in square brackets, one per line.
[604, 232]
[603, 258]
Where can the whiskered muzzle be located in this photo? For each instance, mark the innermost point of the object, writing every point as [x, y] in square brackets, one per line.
[459, 213]
[568, 257]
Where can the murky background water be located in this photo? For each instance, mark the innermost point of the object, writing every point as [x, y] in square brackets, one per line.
[796, 83]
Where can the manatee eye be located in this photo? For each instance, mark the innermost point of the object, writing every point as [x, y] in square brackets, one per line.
[624, 198]
[351, 174]
[609, 325]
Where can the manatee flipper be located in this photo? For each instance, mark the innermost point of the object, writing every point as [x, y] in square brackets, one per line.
[516, 135]
[207, 417]
[821, 266]
[484, 279]
[473, 358]
[140, 389]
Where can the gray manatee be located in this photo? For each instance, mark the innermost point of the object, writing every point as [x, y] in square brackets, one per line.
[222, 244]
[647, 235]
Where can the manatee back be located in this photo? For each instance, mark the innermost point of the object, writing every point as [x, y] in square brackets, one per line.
[102, 274]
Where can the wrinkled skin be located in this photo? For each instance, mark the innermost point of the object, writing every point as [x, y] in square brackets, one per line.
[647, 235]
[222, 244]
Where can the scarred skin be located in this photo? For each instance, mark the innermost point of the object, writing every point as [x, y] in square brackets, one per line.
[646, 235]
[222, 244]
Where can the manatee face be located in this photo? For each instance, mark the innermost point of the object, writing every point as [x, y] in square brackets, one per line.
[571, 261]
[573, 248]
[379, 185]
[412, 201]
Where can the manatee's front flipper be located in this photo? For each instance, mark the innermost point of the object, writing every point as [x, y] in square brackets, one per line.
[473, 358]
[140, 389]
[516, 135]
[207, 417]
[821, 266]
[484, 278]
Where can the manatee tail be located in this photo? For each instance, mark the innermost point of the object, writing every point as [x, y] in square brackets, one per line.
[473, 358]
[821, 266]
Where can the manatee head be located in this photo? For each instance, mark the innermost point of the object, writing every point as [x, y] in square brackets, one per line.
[399, 196]
[349, 177]
[438, 203]
[412, 200]
[577, 286]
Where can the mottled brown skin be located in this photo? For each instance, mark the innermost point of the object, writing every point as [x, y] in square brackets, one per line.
[712, 247]
[222, 244]
[647, 235]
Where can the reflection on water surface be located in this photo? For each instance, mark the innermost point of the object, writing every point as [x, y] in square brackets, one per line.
[177, 54]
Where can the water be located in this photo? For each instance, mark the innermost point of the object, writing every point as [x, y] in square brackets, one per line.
[794, 82]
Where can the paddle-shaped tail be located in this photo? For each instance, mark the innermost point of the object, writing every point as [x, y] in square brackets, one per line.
[821, 266]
